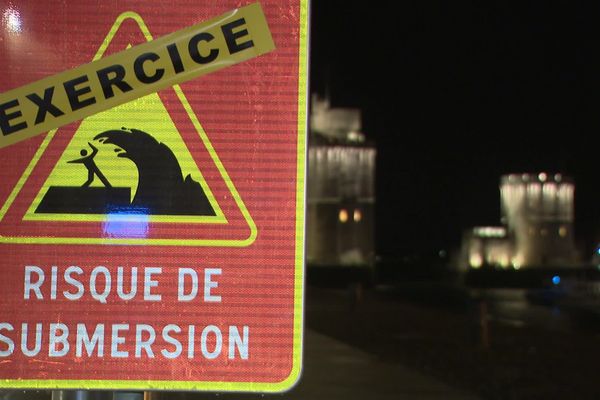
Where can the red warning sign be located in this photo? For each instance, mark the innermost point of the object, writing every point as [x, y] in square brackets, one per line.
[157, 242]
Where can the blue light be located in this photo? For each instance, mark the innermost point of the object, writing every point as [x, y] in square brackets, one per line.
[556, 279]
[129, 223]
[598, 251]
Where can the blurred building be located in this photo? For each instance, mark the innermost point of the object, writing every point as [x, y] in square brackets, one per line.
[538, 211]
[537, 226]
[341, 189]
[486, 245]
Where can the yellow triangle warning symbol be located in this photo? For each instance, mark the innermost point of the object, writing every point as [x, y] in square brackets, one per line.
[132, 161]
[124, 171]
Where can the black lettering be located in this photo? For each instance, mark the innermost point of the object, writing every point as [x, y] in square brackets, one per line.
[74, 94]
[195, 51]
[231, 37]
[5, 118]
[117, 80]
[175, 58]
[138, 68]
[45, 105]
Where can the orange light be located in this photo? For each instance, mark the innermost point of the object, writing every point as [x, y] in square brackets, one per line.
[343, 215]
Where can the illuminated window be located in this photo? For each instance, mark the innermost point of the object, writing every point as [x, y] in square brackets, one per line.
[562, 231]
[489, 231]
[475, 260]
[356, 137]
[558, 177]
[343, 215]
[357, 215]
[517, 261]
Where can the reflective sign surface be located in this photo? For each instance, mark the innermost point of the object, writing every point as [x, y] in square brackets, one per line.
[156, 243]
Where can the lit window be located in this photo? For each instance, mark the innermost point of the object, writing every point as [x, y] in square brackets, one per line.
[562, 231]
[475, 260]
[558, 177]
[356, 137]
[517, 262]
[489, 231]
[343, 215]
[357, 215]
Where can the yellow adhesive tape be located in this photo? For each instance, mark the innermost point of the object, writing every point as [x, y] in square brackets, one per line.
[72, 95]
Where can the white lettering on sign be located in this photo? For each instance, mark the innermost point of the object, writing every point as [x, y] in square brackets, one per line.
[133, 285]
[117, 340]
[90, 341]
[216, 332]
[53, 283]
[101, 296]
[33, 285]
[142, 330]
[209, 284]
[8, 345]
[176, 352]
[84, 340]
[238, 342]
[38, 340]
[181, 291]
[149, 283]
[58, 346]
[98, 283]
[71, 284]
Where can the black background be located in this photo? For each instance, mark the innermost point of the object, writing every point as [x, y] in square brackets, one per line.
[456, 94]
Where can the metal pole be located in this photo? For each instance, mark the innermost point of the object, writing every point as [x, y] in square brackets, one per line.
[70, 395]
[484, 324]
[90, 395]
[128, 396]
[101, 395]
[151, 396]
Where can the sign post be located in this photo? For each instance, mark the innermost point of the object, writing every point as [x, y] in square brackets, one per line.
[152, 164]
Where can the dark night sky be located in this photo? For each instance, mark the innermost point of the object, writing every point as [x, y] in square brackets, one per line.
[456, 94]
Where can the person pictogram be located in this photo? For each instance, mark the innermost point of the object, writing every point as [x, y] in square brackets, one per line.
[161, 189]
[88, 161]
